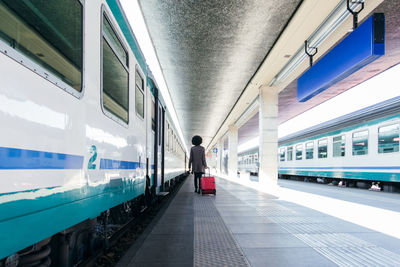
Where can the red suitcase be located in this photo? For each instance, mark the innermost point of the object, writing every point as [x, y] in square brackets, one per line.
[208, 185]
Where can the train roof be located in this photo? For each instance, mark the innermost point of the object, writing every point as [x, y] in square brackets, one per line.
[372, 113]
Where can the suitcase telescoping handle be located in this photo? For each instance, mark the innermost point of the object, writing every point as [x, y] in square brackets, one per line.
[209, 172]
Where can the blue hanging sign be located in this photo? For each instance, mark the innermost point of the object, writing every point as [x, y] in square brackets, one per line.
[364, 45]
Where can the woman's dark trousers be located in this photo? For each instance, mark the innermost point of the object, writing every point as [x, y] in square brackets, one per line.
[197, 180]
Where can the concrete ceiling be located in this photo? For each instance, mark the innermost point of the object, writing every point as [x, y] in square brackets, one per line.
[209, 50]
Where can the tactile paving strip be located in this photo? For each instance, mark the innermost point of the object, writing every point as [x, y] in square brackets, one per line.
[284, 220]
[308, 228]
[341, 248]
[214, 244]
[347, 250]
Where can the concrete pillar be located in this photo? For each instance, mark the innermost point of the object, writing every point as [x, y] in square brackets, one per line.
[268, 131]
[233, 149]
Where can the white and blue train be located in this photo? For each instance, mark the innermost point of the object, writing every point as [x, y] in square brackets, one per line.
[358, 148]
[84, 129]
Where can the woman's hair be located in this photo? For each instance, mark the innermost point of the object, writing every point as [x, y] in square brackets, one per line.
[197, 140]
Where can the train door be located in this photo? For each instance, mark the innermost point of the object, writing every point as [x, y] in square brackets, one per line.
[151, 130]
[160, 146]
[156, 146]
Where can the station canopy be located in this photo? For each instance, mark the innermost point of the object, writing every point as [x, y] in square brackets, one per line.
[213, 52]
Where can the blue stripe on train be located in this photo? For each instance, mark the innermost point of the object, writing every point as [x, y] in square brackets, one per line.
[108, 164]
[343, 168]
[378, 176]
[16, 158]
[22, 159]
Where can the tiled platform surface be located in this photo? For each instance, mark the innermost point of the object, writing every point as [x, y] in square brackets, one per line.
[243, 227]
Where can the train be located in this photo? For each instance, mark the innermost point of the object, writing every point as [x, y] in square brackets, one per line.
[86, 137]
[359, 149]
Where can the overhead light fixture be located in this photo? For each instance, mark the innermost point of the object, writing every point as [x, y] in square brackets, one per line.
[272, 82]
[330, 24]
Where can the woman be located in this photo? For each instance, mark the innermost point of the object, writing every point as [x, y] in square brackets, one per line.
[197, 161]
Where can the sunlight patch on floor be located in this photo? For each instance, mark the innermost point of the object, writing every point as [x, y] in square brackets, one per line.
[377, 219]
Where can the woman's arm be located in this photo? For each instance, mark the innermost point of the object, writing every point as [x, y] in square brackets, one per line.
[204, 159]
[190, 159]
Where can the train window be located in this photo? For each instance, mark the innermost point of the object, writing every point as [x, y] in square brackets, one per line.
[323, 148]
[139, 95]
[310, 150]
[339, 146]
[360, 143]
[282, 154]
[153, 115]
[114, 42]
[115, 74]
[170, 140]
[290, 153]
[388, 139]
[167, 136]
[299, 152]
[50, 33]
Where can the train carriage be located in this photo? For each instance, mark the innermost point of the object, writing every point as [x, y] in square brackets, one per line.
[359, 148]
[363, 145]
[77, 134]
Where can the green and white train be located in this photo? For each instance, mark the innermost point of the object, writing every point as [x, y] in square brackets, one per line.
[86, 136]
[358, 148]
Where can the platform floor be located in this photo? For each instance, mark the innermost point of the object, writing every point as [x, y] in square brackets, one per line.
[244, 227]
